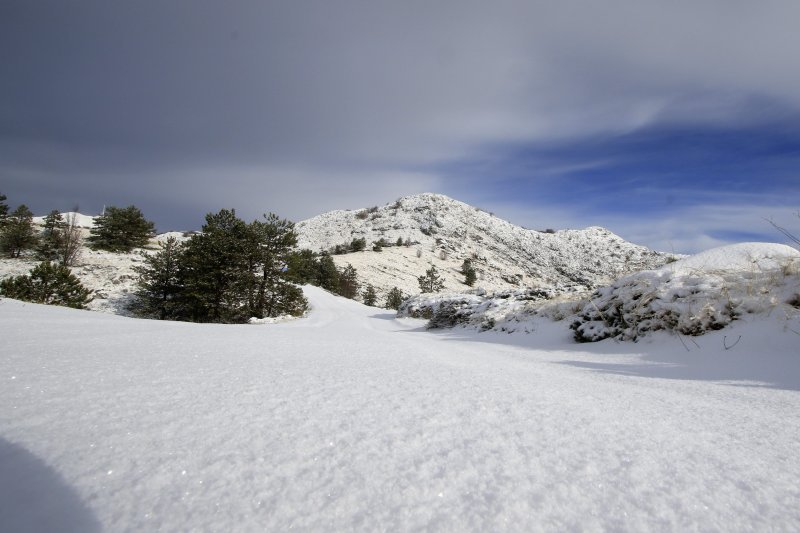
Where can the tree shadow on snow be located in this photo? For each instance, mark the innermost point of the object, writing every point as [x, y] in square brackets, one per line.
[35, 498]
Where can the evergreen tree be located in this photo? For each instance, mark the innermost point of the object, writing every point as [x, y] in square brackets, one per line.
[160, 283]
[3, 209]
[302, 267]
[470, 275]
[379, 245]
[431, 281]
[358, 245]
[18, 234]
[214, 260]
[121, 230]
[50, 238]
[48, 283]
[370, 298]
[399, 241]
[268, 247]
[348, 282]
[394, 299]
[327, 274]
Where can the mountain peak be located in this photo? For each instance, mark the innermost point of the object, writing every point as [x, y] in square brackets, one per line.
[434, 229]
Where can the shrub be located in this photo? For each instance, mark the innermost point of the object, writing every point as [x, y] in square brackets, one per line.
[470, 275]
[50, 284]
[357, 245]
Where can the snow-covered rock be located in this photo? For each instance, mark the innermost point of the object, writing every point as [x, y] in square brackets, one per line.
[443, 232]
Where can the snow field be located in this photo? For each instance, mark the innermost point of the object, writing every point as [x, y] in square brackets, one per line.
[351, 419]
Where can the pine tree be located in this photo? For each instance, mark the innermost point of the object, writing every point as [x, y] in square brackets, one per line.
[399, 241]
[50, 238]
[394, 299]
[160, 283]
[431, 281]
[3, 209]
[18, 234]
[48, 283]
[302, 267]
[214, 260]
[370, 298]
[348, 282]
[121, 230]
[327, 274]
[268, 247]
[470, 275]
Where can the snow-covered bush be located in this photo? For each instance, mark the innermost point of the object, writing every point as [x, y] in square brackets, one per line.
[694, 295]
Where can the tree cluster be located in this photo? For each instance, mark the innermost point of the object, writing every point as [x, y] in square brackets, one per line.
[230, 272]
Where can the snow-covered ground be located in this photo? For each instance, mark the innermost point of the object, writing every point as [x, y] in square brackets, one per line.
[351, 419]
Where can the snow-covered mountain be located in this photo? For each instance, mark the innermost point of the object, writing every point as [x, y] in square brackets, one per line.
[444, 232]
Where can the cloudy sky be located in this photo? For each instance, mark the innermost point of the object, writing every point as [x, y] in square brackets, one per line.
[675, 124]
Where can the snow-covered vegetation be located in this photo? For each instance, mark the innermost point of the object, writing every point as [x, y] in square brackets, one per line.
[690, 296]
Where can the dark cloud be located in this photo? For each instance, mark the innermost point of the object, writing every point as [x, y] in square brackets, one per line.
[191, 104]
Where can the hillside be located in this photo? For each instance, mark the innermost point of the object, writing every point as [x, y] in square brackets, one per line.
[443, 232]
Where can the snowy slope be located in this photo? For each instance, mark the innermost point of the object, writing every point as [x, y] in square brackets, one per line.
[445, 232]
[353, 420]
[81, 220]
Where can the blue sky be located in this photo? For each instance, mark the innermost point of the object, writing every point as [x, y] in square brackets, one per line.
[686, 175]
[674, 124]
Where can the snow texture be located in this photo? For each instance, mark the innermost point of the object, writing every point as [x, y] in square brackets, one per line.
[352, 420]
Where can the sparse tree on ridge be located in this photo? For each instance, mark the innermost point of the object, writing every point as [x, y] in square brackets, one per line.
[121, 229]
[48, 283]
[431, 281]
[3, 209]
[18, 234]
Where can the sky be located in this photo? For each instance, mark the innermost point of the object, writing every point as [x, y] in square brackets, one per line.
[675, 124]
